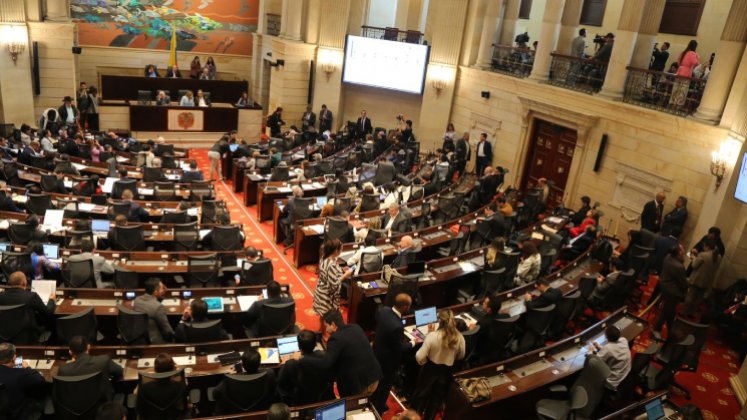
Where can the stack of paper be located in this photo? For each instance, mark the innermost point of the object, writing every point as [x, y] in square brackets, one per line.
[44, 288]
[246, 301]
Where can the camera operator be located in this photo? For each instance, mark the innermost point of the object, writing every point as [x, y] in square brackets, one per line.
[404, 128]
[659, 57]
[604, 52]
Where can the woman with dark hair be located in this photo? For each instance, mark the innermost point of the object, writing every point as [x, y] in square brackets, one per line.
[529, 267]
[212, 68]
[195, 68]
[41, 266]
[151, 71]
[331, 276]
[687, 61]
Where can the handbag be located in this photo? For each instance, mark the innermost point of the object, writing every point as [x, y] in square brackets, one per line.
[476, 389]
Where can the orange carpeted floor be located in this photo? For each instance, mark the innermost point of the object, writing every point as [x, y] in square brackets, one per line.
[709, 386]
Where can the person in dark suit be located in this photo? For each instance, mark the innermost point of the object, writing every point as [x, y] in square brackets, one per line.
[308, 119]
[7, 204]
[325, 119]
[489, 183]
[578, 245]
[68, 112]
[662, 246]
[483, 154]
[23, 386]
[178, 389]
[388, 346]
[659, 57]
[301, 385]
[349, 356]
[579, 216]
[275, 122]
[462, 153]
[17, 293]
[677, 217]
[548, 295]
[491, 305]
[363, 126]
[254, 314]
[407, 253]
[651, 216]
[714, 234]
[605, 283]
[82, 363]
[193, 174]
[673, 281]
[397, 220]
[174, 73]
[250, 363]
[137, 213]
[159, 329]
[194, 315]
[495, 221]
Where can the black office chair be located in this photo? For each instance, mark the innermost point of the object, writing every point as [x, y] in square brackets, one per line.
[39, 203]
[370, 202]
[48, 182]
[205, 332]
[18, 325]
[226, 238]
[401, 284]
[337, 228]
[164, 191]
[691, 357]
[79, 274]
[16, 261]
[661, 375]
[416, 193]
[548, 256]
[470, 347]
[263, 164]
[120, 186]
[492, 281]
[83, 323]
[77, 397]
[257, 273]
[310, 170]
[125, 279]
[132, 326]
[98, 199]
[371, 262]
[501, 333]
[176, 217]
[202, 271]
[202, 191]
[152, 174]
[161, 395]
[342, 205]
[331, 188]
[447, 209]
[584, 396]
[375, 234]
[280, 173]
[277, 319]
[186, 237]
[567, 309]
[326, 167]
[74, 238]
[537, 323]
[209, 212]
[20, 233]
[425, 215]
[129, 238]
[243, 393]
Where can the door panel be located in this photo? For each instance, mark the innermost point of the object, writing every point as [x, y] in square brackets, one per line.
[550, 156]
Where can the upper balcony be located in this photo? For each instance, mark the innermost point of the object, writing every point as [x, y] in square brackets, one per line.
[581, 74]
[662, 91]
[393, 34]
[513, 61]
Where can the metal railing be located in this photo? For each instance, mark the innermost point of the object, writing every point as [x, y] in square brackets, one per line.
[392, 34]
[272, 25]
[661, 91]
[582, 74]
[513, 61]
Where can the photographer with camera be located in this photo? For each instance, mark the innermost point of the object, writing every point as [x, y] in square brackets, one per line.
[659, 57]
[605, 47]
[404, 128]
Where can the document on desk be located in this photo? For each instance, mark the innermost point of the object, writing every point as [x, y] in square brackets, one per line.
[79, 166]
[122, 159]
[466, 266]
[192, 211]
[146, 362]
[269, 355]
[173, 177]
[171, 302]
[365, 415]
[86, 207]
[203, 233]
[44, 364]
[246, 301]
[4, 224]
[284, 189]
[146, 191]
[109, 184]
[44, 288]
[317, 185]
[20, 199]
[185, 360]
[319, 229]
[306, 187]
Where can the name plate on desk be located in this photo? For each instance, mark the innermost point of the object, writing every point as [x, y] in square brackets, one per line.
[186, 119]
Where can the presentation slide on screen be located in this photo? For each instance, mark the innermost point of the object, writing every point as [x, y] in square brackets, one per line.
[385, 64]
[741, 191]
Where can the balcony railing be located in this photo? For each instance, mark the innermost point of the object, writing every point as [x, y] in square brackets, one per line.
[582, 74]
[513, 61]
[272, 26]
[392, 34]
[665, 92]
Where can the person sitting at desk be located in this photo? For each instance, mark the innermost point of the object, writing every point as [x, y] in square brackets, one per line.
[250, 363]
[137, 213]
[496, 221]
[82, 363]
[301, 385]
[548, 295]
[174, 72]
[251, 254]
[615, 353]
[244, 101]
[577, 246]
[201, 100]
[100, 265]
[349, 356]
[491, 305]
[495, 257]
[530, 264]
[205, 74]
[579, 216]
[389, 345]
[397, 220]
[193, 174]
[187, 100]
[275, 157]
[63, 165]
[254, 315]
[605, 284]
[23, 386]
[194, 315]
[41, 265]
[111, 237]
[177, 389]
[159, 329]
[162, 98]
[39, 235]
[151, 71]
[591, 219]
[369, 248]
[407, 252]
[17, 293]
[7, 203]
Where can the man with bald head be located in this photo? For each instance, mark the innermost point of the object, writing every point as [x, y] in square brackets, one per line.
[652, 213]
[18, 294]
[406, 253]
[388, 346]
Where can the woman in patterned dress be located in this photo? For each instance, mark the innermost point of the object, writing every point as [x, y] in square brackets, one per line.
[331, 275]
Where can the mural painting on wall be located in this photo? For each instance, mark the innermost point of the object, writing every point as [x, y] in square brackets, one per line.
[203, 26]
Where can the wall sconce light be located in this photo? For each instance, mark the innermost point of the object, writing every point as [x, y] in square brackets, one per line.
[328, 67]
[15, 41]
[328, 61]
[439, 85]
[718, 167]
[440, 78]
[726, 155]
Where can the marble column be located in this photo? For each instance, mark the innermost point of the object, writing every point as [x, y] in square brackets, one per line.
[728, 55]
[650, 22]
[508, 26]
[333, 23]
[16, 94]
[569, 25]
[547, 40]
[622, 51]
[291, 19]
[489, 28]
[283, 17]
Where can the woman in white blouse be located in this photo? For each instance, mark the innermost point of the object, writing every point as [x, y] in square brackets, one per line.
[441, 348]
[529, 267]
[188, 99]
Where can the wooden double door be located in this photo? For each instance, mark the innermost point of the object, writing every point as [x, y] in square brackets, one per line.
[550, 156]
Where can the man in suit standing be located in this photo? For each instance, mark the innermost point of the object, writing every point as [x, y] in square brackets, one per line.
[407, 252]
[308, 119]
[675, 218]
[301, 385]
[23, 387]
[548, 295]
[275, 122]
[388, 346]
[325, 119]
[363, 126]
[483, 154]
[17, 293]
[68, 112]
[349, 356]
[673, 281]
[659, 57]
[578, 45]
[100, 265]
[396, 220]
[159, 329]
[462, 153]
[82, 363]
[274, 297]
[652, 213]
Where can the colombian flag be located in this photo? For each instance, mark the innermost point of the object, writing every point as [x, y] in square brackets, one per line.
[172, 50]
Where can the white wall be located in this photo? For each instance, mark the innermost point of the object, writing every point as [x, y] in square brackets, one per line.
[382, 13]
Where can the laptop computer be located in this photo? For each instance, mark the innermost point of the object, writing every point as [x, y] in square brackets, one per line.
[425, 317]
[329, 177]
[100, 226]
[334, 411]
[287, 346]
[4, 246]
[655, 410]
[416, 267]
[52, 251]
[321, 201]
[214, 304]
[233, 147]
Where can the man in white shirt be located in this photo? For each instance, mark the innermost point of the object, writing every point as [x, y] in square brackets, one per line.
[370, 248]
[616, 354]
[100, 265]
[202, 101]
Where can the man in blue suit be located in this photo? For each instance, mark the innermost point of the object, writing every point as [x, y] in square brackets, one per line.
[388, 346]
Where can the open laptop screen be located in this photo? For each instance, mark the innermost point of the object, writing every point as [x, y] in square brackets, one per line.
[52, 251]
[425, 316]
